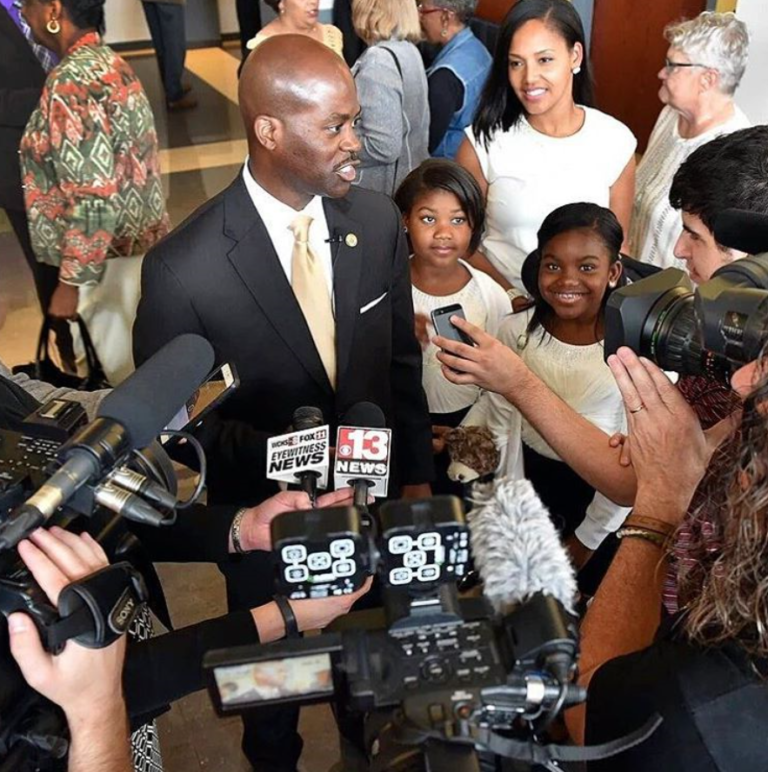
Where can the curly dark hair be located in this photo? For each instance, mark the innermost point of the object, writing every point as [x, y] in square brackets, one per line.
[84, 14]
[499, 108]
[724, 591]
[730, 172]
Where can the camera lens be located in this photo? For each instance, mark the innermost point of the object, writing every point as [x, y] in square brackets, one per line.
[676, 344]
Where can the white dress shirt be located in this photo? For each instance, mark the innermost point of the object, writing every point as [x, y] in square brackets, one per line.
[277, 218]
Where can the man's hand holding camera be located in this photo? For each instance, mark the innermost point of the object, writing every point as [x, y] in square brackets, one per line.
[85, 683]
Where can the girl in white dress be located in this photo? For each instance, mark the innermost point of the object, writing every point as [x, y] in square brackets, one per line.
[560, 338]
[443, 212]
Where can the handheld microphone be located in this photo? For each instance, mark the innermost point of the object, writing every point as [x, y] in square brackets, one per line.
[305, 418]
[303, 454]
[363, 453]
[130, 417]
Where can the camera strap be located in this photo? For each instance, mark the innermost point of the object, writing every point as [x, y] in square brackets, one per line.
[96, 610]
[534, 753]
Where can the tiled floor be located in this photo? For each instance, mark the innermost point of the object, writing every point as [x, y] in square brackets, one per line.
[202, 152]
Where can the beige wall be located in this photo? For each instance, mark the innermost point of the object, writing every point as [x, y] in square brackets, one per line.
[752, 95]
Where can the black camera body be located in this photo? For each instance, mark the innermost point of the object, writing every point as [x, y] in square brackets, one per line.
[711, 330]
[428, 665]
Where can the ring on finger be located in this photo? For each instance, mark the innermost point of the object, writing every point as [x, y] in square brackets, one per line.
[637, 409]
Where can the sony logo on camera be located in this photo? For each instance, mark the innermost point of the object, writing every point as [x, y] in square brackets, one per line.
[123, 612]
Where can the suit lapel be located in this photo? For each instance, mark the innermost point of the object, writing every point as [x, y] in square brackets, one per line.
[347, 266]
[256, 262]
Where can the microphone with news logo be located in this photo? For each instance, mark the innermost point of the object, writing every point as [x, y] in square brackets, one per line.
[363, 448]
[302, 455]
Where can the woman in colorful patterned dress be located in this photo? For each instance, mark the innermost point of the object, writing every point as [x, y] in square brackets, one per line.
[91, 175]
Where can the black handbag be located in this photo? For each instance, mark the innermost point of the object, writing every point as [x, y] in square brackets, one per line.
[45, 369]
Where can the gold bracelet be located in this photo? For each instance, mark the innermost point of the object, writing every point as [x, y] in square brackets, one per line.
[235, 530]
[642, 533]
[650, 524]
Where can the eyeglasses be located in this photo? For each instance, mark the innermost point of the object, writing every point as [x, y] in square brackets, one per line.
[671, 66]
[423, 10]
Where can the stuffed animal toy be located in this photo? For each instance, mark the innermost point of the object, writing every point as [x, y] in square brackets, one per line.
[473, 453]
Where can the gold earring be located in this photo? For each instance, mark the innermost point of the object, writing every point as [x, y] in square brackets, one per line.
[443, 33]
[53, 26]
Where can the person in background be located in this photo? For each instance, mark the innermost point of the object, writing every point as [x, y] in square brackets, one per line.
[299, 17]
[91, 174]
[575, 269]
[457, 75]
[165, 19]
[536, 144]
[249, 21]
[444, 214]
[392, 89]
[23, 69]
[705, 62]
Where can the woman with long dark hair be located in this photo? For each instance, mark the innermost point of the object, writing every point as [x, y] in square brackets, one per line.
[536, 142]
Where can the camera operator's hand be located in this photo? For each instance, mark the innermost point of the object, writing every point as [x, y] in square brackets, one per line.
[669, 450]
[85, 683]
[310, 614]
[318, 614]
[488, 364]
[254, 528]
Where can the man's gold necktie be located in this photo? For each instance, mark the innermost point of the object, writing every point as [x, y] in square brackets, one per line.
[311, 290]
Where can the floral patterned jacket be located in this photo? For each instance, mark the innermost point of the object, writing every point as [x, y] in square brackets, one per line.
[90, 165]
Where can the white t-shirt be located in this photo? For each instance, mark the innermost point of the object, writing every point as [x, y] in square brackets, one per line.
[656, 226]
[582, 379]
[529, 174]
[485, 304]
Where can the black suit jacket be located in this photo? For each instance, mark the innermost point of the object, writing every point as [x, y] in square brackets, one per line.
[21, 82]
[218, 275]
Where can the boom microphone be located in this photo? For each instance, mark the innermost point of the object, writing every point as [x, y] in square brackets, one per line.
[130, 417]
[742, 230]
[517, 549]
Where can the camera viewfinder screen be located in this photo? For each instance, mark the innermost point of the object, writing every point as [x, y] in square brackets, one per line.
[277, 679]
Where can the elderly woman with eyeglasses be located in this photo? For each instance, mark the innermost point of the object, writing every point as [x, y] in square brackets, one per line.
[705, 62]
[456, 76]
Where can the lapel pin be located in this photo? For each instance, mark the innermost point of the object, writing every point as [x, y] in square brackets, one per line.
[350, 240]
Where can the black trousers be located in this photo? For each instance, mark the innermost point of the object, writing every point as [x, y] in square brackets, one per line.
[567, 497]
[271, 741]
[46, 278]
[249, 19]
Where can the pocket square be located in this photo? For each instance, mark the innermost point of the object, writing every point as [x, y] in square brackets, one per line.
[369, 306]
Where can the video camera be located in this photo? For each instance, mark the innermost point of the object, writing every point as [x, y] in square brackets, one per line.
[441, 679]
[61, 470]
[712, 330]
